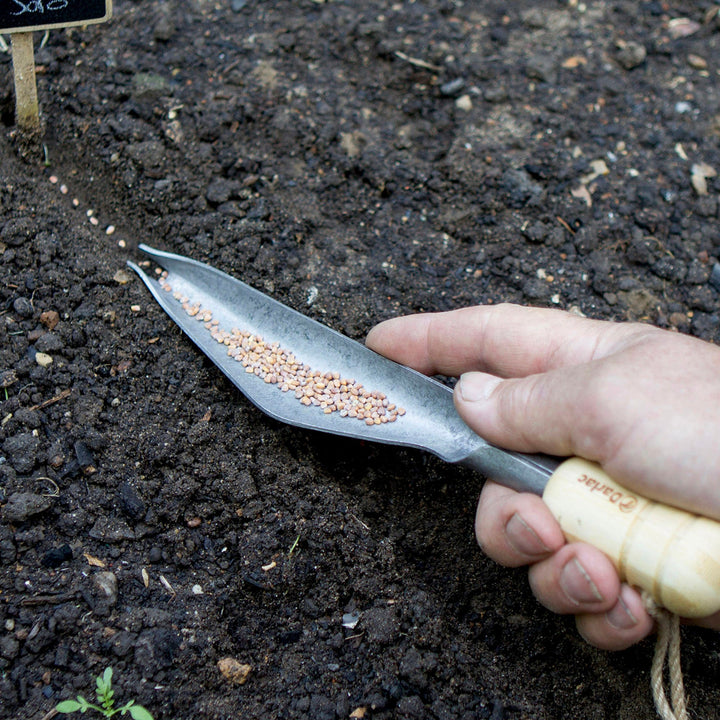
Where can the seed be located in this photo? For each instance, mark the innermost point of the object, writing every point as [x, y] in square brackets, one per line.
[277, 366]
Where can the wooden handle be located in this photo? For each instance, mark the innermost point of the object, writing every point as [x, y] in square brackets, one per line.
[671, 553]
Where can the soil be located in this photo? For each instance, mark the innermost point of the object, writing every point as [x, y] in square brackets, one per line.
[355, 160]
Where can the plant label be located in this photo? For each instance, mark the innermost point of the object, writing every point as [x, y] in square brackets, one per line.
[28, 15]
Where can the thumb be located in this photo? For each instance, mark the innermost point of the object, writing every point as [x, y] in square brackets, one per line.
[521, 414]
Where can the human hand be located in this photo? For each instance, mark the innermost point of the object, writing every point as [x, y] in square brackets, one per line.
[642, 402]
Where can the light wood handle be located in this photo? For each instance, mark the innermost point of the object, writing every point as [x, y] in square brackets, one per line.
[671, 553]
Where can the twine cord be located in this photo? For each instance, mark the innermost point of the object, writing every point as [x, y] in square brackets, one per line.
[667, 650]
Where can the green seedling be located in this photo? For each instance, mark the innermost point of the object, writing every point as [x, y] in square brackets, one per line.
[106, 697]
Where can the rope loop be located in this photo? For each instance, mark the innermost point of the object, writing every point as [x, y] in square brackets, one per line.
[667, 649]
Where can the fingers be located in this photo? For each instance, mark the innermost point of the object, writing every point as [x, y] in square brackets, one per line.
[505, 340]
[513, 528]
[623, 625]
[518, 529]
[575, 580]
[553, 413]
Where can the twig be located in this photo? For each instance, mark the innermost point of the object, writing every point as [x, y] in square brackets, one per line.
[52, 400]
[565, 225]
[417, 62]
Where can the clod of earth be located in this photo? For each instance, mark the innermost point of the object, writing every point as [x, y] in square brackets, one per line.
[235, 671]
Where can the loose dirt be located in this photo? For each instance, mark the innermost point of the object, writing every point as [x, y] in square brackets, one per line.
[355, 160]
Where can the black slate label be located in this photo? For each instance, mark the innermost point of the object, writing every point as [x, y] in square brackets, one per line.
[28, 15]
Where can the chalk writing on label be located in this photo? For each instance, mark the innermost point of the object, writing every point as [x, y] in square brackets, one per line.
[17, 15]
[38, 6]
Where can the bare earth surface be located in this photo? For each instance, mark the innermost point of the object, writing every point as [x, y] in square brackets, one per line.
[355, 160]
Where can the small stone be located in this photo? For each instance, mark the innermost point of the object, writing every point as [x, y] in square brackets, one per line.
[106, 583]
[43, 359]
[50, 319]
[697, 62]
[699, 175]
[682, 27]
[23, 307]
[540, 67]
[464, 103]
[631, 55]
[234, 671]
[452, 87]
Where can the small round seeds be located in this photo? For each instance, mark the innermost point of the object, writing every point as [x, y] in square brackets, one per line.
[276, 366]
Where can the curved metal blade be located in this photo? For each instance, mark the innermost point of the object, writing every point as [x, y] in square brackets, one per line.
[430, 422]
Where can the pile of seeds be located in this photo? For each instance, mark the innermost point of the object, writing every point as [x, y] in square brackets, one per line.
[277, 366]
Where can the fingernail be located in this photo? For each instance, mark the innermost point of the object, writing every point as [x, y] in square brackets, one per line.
[620, 616]
[577, 584]
[476, 387]
[523, 538]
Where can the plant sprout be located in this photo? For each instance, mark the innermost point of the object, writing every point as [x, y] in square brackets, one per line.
[106, 697]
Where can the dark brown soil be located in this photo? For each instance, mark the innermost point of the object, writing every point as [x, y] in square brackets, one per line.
[356, 160]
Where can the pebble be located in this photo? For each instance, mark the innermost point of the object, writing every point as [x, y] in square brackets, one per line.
[23, 307]
[43, 359]
[540, 67]
[697, 62]
[22, 506]
[700, 173]
[631, 54]
[234, 670]
[464, 103]
[50, 319]
[452, 87]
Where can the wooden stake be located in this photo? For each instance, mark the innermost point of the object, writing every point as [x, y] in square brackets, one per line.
[26, 101]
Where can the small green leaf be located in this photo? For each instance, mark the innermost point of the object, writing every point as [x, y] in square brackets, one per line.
[107, 676]
[138, 712]
[84, 704]
[68, 706]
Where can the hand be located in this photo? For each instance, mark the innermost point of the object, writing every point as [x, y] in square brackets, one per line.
[642, 402]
